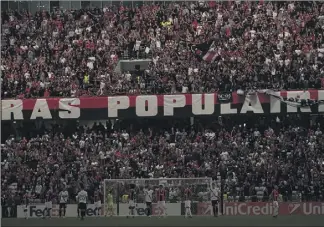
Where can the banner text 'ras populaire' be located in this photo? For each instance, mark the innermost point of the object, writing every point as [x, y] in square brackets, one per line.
[179, 105]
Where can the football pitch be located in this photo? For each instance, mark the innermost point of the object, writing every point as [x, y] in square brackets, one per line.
[292, 220]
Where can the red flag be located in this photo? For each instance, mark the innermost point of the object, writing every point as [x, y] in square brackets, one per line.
[228, 32]
[212, 4]
[210, 56]
[195, 24]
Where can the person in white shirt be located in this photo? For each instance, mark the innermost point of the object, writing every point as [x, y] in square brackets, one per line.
[132, 201]
[25, 205]
[125, 135]
[63, 197]
[82, 198]
[214, 197]
[187, 199]
[48, 204]
[148, 192]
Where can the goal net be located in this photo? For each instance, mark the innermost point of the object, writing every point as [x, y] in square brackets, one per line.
[119, 190]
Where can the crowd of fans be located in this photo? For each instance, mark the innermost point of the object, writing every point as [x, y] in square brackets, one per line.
[262, 44]
[70, 53]
[247, 157]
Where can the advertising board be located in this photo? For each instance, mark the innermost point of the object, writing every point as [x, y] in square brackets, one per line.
[261, 208]
[173, 209]
[38, 211]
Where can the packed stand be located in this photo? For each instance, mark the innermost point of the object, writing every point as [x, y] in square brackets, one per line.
[278, 45]
[249, 159]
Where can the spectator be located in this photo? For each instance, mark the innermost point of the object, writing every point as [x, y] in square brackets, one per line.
[277, 45]
[194, 47]
[249, 158]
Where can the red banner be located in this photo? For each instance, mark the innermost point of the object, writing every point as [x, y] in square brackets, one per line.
[179, 105]
[264, 208]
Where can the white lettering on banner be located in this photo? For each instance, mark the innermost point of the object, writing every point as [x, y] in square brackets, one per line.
[226, 109]
[197, 104]
[248, 209]
[264, 208]
[13, 107]
[173, 101]
[252, 103]
[117, 103]
[275, 103]
[67, 111]
[146, 106]
[41, 110]
[312, 209]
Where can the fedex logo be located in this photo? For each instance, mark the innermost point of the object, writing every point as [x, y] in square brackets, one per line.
[41, 211]
[142, 211]
[35, 211]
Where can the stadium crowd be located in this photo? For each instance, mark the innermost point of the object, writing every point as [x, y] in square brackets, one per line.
[249, 158]
[278, 45]
[195, 47]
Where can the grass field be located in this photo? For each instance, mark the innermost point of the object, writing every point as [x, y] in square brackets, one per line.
[172, 221]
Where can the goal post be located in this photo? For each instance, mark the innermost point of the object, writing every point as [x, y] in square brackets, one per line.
[119, 188]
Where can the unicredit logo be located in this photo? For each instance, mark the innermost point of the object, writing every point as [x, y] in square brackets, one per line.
[248, 209]
[313, 208]
[293, 207]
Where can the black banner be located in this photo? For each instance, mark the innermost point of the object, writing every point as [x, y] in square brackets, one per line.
[179, 105]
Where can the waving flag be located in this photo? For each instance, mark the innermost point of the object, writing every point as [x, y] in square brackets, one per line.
[206, 51]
